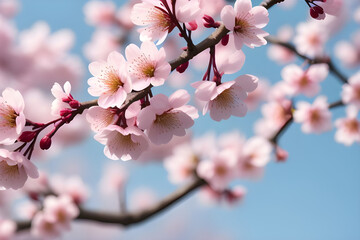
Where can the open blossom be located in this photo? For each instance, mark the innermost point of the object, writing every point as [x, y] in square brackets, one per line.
[157, 22]
[348, 129]
[315, 118]
[71, 186]
[12, 118]
[254, 157]
[246, 22]
[111, 81]
[99, 118]
[122, 143]
[15, 170]
[167, 117]
[280, 54]
[219, 171]
[351, 91]
[349, 52]
[182, 164]
[100, 12]
[44, 228]
[310, 39]
[60, 210]
[305, 82]
[227, 98]
[147, 65]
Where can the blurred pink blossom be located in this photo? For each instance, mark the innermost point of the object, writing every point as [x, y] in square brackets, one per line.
[315, 118]
[351, 91]
[348, 128]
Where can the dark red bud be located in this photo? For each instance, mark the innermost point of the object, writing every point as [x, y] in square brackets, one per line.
[208, 19]
[45, 143]
[182, 68]
[66, 99]
[313, 13]
[192, 26]
[65, 112]
[27, 136]
[225, 40]
[318, 9]
[74, 104]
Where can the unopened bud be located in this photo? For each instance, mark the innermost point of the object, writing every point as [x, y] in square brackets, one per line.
[192, 26]
[65, 112]
[182, 67]
[27, 136]
[74, 104]
[45, 143]
[314, 13]
[225, 40]
[281, 154]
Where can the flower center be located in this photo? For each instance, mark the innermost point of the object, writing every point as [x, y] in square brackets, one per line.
[352, 125]
[241, 25]
[220, 170]
[149, 71]
[8, 170]
[315, 116]
[161, 19]
[7, 116]
[304, 81]
[168, 120]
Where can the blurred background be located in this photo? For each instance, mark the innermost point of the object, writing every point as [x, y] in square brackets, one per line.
[315, 194]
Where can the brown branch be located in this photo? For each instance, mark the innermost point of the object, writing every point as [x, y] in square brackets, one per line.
[126, 219]
[326, 60]
[268, 4]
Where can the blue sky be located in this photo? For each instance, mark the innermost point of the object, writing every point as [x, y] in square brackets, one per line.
[314, 195]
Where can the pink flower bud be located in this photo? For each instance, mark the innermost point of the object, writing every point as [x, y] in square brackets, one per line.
[225, 40]
[182, 68]
[66, 99]
[27, 136]
[318, 9]
[192, 26]
[208, 19]
[45, 143]
[281, 154]
[65, 112]
[74, 104]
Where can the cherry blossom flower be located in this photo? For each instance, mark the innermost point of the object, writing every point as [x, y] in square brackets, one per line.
[71, 186]
[255, 155]
[182, 164]
[349, 52]
[280, 54]
[63, 99]
[122, 143]
[235, 195]
[8, 8]
[166, 117]
[246, 22]
[158, 23]
[219, 171]
[60, 210]
[99, 12]
[111, 81]
[348, 128]
[99, 118]
[315, 118]
[310, 39]
[305, 82]
[101, 45]
[12, 118]
[7, 229]
[227, 98]
[42, 227]
[15, 170]
[351, 91]
[147, 65]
